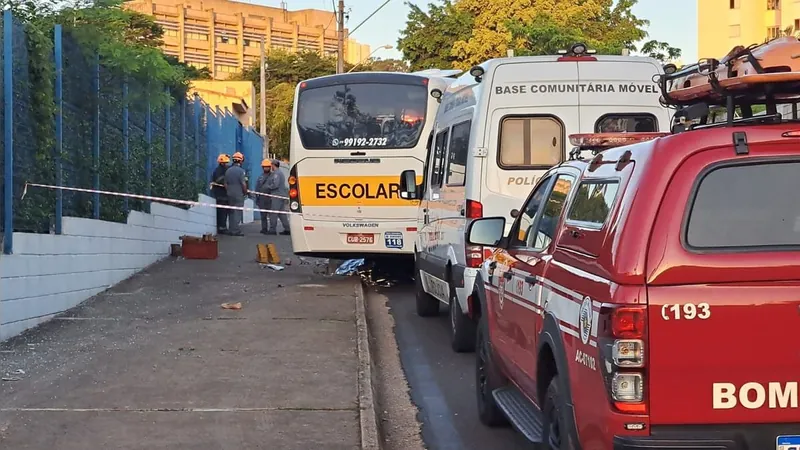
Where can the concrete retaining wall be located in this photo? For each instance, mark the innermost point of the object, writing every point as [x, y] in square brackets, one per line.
[49, 274]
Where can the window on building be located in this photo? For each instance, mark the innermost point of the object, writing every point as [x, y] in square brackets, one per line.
[734, 4]
[796, 25]
[772, 5]
[197, 36]
[226, 40]
[734, 31]
[227, 69]
[171, 33]
[773, 32]
[457, 157]
[527, 142]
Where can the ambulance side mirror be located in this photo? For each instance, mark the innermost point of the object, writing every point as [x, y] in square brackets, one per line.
[408, 185]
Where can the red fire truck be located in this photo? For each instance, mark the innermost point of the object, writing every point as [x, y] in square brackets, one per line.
[646, 295]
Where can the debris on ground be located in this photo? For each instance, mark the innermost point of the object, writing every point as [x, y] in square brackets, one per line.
[271, 266]
[374, 272]
[350, 267]
[236, 306]
[10, 379]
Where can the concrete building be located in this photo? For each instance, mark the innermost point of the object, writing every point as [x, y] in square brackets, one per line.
[723, 24]
[237, 97]
[225, 35]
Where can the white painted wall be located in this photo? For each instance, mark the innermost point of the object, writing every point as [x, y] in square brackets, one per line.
[49, 274]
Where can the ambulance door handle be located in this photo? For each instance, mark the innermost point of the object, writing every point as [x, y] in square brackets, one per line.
[358, 154]
[463, 211]
[507, 275]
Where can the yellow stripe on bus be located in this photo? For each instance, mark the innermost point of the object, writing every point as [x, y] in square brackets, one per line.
[353, 191]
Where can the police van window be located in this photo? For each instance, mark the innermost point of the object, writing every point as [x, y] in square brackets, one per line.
[617, 123]
[548, 223]
[457, 155]
[364, 115]
[440, 149]
[527, 142]
[592, 203]
[748, 205]
[525, 222]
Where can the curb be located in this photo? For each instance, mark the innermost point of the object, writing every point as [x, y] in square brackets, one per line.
[368, 422]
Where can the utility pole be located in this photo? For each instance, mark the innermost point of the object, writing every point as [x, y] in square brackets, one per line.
[340, 52]
[263, 115]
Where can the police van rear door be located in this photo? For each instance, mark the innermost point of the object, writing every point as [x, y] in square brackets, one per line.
[618, 95]
[724, 291]
[533, 107]
[358, 134]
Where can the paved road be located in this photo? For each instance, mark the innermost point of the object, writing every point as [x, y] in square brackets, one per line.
[442, 381]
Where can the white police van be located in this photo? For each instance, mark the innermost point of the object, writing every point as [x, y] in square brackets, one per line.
[499, 128]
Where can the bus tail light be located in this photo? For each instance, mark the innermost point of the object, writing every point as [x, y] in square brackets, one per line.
[474, 253]
[294, 191]
[622, 343]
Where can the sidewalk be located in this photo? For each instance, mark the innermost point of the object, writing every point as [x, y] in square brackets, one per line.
[155, 363]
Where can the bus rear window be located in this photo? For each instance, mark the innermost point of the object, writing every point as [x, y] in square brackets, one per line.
[530, 142]
[365, 115]
[749, 206]
[616, 123]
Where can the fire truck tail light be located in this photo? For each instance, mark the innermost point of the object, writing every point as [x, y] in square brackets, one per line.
[295, 206]
[628, 353]
[628, 322]
[622, 346]
[627, 387]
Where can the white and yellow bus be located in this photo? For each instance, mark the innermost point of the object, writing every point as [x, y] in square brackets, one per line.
[351, 135]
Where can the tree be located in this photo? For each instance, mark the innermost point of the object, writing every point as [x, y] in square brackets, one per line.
[661, 51]
[544, 26]
[280, 99]
[428, 38]
[382, 65]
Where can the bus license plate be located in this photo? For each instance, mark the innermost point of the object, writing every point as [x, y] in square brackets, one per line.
[358, 238]
[788, 443]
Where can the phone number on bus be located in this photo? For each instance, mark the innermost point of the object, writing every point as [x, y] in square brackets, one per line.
[361, 142]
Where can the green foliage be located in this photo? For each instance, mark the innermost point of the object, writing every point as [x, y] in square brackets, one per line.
[467, 32]
[661, 51]
[428, 38]
[128, 46]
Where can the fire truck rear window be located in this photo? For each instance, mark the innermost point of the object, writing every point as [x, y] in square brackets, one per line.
[751, 206]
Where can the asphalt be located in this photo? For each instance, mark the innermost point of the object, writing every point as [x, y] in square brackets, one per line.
[156, 363]
[442, 382]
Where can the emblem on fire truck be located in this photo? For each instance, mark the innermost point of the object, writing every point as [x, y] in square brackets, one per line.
[585, 320]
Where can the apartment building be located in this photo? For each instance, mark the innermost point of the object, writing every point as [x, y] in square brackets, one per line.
[723, 24]
[225, 35]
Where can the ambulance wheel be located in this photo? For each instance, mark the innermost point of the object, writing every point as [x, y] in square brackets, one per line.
[462, 327]
[427, 305]
[555, 424]
[488, 378]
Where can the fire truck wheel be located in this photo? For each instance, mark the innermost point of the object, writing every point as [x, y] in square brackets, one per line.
[427, 305]
[487, 379]
[462, 327]
[555, 423]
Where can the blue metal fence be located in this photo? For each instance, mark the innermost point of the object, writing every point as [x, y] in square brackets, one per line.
[105, 136]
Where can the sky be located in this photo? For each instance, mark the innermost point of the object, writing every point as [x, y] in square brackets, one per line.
[672, 21]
